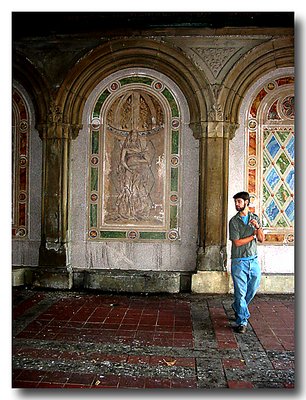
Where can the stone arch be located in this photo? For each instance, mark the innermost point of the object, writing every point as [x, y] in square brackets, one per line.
[143, 53]
[272, 55]
[35, 85]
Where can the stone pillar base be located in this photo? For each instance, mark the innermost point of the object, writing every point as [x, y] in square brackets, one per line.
[217, 282]
[18, 275]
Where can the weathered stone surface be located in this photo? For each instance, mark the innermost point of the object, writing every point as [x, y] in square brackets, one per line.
[132, 281]
[55, 278]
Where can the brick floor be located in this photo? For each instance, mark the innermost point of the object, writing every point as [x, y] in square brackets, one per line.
[97, 341]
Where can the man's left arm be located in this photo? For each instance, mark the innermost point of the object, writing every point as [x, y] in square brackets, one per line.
[258, 230]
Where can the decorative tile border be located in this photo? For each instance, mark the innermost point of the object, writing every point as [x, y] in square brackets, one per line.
[96, 230]
[20, 167]
[270, 159]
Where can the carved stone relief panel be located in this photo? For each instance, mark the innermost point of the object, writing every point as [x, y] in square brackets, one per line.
[135, 161]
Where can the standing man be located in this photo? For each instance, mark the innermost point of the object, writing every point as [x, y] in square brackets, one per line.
[244, 232]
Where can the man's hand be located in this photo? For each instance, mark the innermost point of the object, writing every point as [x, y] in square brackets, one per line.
[258, 230]
[254, 223]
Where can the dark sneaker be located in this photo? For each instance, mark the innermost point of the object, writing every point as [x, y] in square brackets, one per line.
[241, 329]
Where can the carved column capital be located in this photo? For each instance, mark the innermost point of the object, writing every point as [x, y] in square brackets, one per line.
[54, 126]
[58, 130]
[214, 129]
[199, 129]
[216, 112]
[230, 129]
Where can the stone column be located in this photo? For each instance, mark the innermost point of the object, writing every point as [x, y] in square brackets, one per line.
[56, 137]
[213, 204]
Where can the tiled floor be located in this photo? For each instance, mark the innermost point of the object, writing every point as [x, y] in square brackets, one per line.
[96, 341]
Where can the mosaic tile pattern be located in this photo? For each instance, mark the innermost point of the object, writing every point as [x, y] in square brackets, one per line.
[270, 155]
[20, 166]
[135, 162]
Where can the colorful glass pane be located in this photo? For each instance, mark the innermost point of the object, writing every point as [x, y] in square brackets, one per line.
[272, 178]
[282, 163]
[282, 195]
[273, 146]
[273, 138]
[266, 163]
[290, 179]
[290, 148]
[290, 211]
[272, 211]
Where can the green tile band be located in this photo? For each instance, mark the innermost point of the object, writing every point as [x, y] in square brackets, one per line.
[112, 235]
[173, 217]
[135, 79]
[175, 142]
[99, 103]
[94, 179]
[94, 142]
[93, 215]
[152, 235]
[172, 102]
[174, 179]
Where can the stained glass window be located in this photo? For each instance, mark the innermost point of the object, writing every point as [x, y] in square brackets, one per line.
[270, 158]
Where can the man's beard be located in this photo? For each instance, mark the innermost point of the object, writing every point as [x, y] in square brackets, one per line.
[240, 208]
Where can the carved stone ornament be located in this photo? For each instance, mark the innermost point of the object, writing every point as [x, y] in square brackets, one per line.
[215, 57]
[216, 113]
[231, 129]
[55, 114]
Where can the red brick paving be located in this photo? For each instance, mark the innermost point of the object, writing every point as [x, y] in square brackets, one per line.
[240, 385]
[20, 308]
[273, 324]
[159, 325]
[223, 331]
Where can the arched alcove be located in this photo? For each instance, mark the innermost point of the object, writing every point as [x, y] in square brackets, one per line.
[261, 158]
[26, 181]
[134, 53]
[163, 236]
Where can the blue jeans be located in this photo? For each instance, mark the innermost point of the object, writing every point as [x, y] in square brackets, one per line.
[246, 277]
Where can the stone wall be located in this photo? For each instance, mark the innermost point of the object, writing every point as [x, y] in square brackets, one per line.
[208, 73]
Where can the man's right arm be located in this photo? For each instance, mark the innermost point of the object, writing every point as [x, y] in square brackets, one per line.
[241, 242]
[234, 235]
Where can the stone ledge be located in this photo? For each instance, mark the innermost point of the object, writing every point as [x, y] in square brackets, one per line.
[49, 277]
[132, 281]
[135, 281]
[218, 282]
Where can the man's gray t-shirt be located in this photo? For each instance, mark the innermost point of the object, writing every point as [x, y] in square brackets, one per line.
[238, 230]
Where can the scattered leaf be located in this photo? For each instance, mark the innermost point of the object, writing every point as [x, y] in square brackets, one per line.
[169, 363]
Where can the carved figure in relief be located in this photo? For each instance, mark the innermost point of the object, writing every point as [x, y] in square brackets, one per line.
[135, 178]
